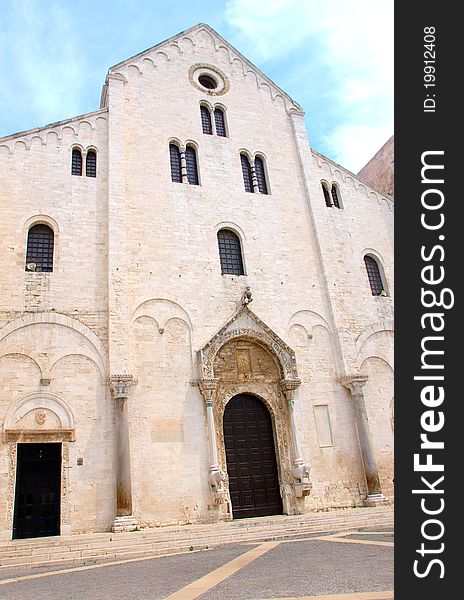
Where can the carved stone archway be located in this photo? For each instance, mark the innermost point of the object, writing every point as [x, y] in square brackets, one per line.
[246, 357]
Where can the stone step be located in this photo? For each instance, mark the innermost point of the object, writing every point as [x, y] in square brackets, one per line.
[99, 546]
[248, 524]
[207, 536]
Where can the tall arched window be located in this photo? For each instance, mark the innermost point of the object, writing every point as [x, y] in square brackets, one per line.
[76, 162]
[91, 164]
[260, 175]
[220, 122]
[375, 278]
[325, 190]
[230, 252]
[174, 156]
[206, 120]
[335, 198]
[39, 253]
[246, 170]
[191, 163]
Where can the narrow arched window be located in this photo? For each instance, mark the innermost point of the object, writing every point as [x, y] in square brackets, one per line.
[76, 162]
[206, 120]
[230, 252]
[191, 163]
[260, 175]
[91, 164]
[39, 253]
[220, 122]
[375, 278]
[335, 198]
[174, 156]
[246, 170]
[325, 190]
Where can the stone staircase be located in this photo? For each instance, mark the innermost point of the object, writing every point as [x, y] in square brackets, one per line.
[34, 555]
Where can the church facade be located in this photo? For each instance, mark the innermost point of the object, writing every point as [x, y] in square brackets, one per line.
[196, 318]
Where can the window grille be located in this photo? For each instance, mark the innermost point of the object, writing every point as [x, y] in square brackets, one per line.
[40, 241]
[191, 162]
[206, 120]
[230, 252]
[246, 170]
[260, 175]
[220, 122]
[373, 273]
[335, 196]
[76, 162]
[176, 171]
[91, 164]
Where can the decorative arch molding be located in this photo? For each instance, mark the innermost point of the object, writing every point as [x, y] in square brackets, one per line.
[371, 330]
[246, 325]
[8, 350]
[35, 401]
[309, 319]
[58, 319]
[161, 310]
[379, 357]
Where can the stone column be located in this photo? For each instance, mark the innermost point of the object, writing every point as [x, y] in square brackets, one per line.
[254, 178]
[183, 165]
[300, 469]
[124, 520]
[216, 475]
[355, 383]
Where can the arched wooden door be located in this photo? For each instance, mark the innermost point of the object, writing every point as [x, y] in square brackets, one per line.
[251, 458]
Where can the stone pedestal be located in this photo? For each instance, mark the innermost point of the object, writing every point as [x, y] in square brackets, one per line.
[126, 523]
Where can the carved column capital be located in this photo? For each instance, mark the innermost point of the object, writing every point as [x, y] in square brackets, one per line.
[355, 383]
[207, 388]
[120, 384]
[288, 386]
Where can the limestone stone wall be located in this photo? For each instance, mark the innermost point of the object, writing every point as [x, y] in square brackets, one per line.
[137, 285]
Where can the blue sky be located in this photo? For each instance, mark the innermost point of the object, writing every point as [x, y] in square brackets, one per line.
[334, 57]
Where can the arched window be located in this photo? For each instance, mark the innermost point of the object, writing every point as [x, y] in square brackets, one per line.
[76, 162]
[191, 163]
[335, 198]
[220, 122]
[206, 120]
[375, 278]
[91, 164]
[260, 175]
[246, 170]
[325, 190]
[174, 156]
[230, 252]
[39, 253]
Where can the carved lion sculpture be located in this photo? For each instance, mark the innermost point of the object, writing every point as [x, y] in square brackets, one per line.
[301, 472]
[216, 478]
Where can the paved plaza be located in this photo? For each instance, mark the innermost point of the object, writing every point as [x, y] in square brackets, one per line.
[348, 565]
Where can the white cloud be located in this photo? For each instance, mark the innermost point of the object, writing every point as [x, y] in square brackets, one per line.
[354, 41]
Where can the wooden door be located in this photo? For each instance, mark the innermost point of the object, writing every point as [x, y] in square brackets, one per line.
[38, 491]
[251, 458]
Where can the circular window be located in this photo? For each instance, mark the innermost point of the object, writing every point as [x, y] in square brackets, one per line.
[209, 79]
[207, 82]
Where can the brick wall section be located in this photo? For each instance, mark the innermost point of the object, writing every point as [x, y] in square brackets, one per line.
[379, 171]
